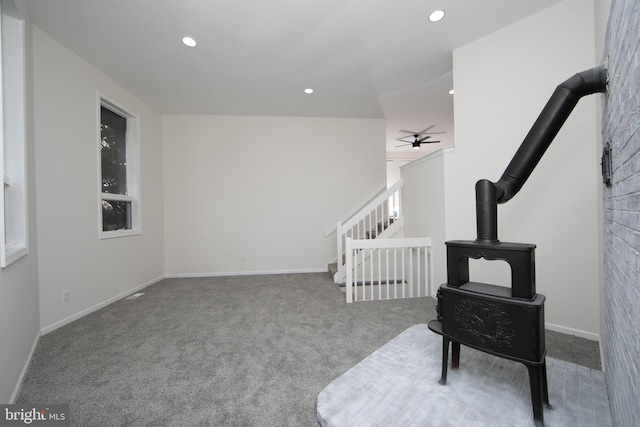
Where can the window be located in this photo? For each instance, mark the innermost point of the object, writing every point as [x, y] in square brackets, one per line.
[119, 172]
[13, 198]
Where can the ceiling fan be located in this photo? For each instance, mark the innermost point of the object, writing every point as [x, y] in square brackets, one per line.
[418, 137]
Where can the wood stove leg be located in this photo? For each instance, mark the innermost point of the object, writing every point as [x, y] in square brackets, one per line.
[545, 388]
[445, 360]
[536, 384]
[455, 354]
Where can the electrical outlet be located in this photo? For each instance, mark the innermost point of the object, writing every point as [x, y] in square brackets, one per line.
[66, 295]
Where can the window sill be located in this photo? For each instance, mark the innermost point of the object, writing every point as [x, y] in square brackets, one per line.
[13, 253]
[118, 233]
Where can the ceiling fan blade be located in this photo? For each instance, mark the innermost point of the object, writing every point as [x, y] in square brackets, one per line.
[426, 129]
[409, 131]
[423, 139]
[430, 142]
[432, 133]
[403, 139]
[403, 145]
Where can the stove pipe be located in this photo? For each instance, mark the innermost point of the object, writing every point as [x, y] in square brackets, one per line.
[544, 130]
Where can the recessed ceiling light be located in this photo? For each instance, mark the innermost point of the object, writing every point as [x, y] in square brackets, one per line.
[451, 92]
[308, 91]
[436, 15]
[188, 41]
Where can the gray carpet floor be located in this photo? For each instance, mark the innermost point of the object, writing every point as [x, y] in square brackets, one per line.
[223, 351]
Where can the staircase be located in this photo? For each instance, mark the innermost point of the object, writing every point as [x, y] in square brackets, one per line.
[378, 230]
[373, 261]
[333, 269]
[380, 218]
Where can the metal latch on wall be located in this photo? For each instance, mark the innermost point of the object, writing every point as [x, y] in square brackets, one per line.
[607, 170]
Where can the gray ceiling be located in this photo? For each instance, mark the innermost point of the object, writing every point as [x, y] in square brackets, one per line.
[363, 58]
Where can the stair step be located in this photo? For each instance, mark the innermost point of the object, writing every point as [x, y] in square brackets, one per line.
[333, 269]
[381, 226]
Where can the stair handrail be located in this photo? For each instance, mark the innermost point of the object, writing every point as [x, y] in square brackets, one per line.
[346, 227]
[371, 206]
[355, 209]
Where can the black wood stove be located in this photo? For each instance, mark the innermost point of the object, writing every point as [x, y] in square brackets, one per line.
[506, 321]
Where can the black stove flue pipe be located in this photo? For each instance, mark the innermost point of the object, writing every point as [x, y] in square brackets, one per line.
[544, 130]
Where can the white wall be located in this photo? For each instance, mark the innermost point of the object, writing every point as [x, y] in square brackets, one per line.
[19, 317]
[502, 82]
[71, 257]
[423, 201]
[256, 194]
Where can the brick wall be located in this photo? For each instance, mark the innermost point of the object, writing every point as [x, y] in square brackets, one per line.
[621, 126]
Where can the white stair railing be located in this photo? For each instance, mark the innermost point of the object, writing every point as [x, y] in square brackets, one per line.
[380, 218]
[378, 269]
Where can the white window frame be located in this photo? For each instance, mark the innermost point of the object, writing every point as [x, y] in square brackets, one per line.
[14, 241]
[133, 170]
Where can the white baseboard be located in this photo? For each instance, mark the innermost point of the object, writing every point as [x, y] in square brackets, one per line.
[570, 331]
[96, 307]
[16, 390]
[245, 273]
